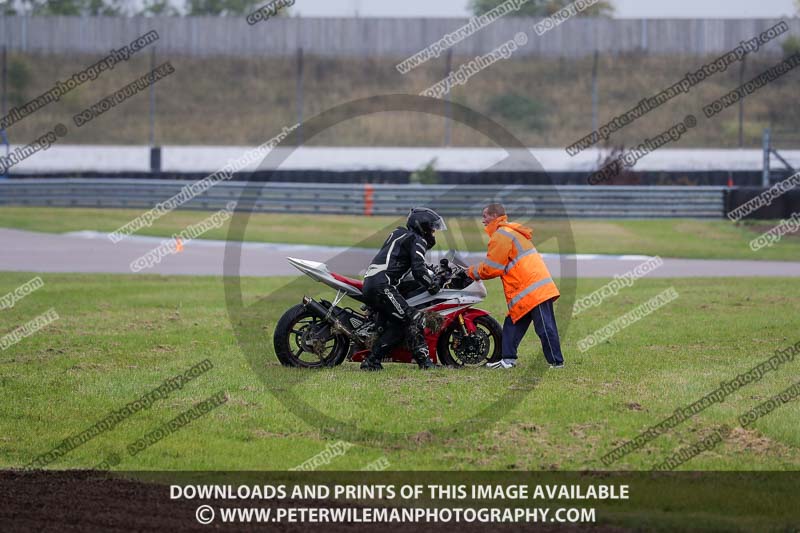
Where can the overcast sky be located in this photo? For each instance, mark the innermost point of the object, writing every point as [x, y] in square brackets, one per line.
[625, 8]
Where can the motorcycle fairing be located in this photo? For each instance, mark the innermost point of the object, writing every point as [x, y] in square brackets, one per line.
[319, 272]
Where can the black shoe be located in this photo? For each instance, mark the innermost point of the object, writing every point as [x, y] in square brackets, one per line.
[371, 366]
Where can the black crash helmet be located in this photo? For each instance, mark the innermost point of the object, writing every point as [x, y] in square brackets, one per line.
[424, 222]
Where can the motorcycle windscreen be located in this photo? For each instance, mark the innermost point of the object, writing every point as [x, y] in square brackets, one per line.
[453, 257]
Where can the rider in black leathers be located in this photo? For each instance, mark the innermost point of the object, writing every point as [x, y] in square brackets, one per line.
[404, 250]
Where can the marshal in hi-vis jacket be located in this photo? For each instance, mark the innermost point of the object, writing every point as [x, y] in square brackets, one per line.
[512, 256]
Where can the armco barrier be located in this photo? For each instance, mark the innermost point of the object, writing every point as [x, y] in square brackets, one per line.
[360, 199]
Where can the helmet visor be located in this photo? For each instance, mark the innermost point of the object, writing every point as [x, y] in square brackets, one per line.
[427, 218]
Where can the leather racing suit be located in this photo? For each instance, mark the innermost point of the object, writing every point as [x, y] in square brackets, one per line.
[403, 251]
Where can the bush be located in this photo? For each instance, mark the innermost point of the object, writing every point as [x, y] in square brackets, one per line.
[427, 175]
[19, 78]
[543, 8]
[791, 45]
[752, 131]
[519, 109]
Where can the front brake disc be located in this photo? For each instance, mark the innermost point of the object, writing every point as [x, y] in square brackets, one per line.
[472, 349]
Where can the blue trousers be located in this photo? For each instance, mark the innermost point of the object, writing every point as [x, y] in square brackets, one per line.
[544, 323]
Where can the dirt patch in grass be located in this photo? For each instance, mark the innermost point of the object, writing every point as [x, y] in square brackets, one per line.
[586, 432]
[244, 403]
[82, 367]
[423, 437]
[608, 387]
[749, 440]
[264, 434]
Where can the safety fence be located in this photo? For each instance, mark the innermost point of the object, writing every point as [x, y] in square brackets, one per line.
[368, 199]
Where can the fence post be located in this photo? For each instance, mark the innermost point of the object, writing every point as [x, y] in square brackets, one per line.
[594, 91]
[155, 151]
[4, 105]
[24, 32]
[644, 43]
[741, 103]
[448, 123]
[299, 95]
[5, 80]
[766, 146]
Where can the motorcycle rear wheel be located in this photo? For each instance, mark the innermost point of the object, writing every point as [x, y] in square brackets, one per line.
[294, 334]
[486, 345]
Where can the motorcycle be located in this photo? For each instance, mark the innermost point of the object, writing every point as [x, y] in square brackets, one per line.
[315, 334]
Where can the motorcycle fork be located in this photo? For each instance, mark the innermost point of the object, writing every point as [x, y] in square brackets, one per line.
[462, 324]
[467, 327]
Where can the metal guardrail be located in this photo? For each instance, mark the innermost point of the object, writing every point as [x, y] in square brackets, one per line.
[359, 199]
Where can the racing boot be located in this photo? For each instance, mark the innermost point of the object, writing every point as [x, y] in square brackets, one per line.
[418, 346]
[372, 363]
[422, 357]
[426, 364]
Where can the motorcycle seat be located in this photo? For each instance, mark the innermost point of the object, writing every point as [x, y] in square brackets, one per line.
[358, 284]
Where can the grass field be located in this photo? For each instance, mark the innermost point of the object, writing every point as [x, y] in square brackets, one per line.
[119, 337]
[698, 239]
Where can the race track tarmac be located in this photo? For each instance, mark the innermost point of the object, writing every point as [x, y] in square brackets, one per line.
[91, 252]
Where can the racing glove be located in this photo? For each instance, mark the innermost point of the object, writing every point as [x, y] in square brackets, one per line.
[435, 287]
[463, 275]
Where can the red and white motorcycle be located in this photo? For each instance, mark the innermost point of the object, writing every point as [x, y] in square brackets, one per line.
[317, 334]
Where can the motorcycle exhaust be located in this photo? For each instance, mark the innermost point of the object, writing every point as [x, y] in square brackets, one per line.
[327, 315]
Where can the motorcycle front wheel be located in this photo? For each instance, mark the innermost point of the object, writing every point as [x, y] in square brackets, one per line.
[304, 340]
[476, 349]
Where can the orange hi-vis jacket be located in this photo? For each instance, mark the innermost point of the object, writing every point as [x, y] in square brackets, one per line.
[512, 256]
